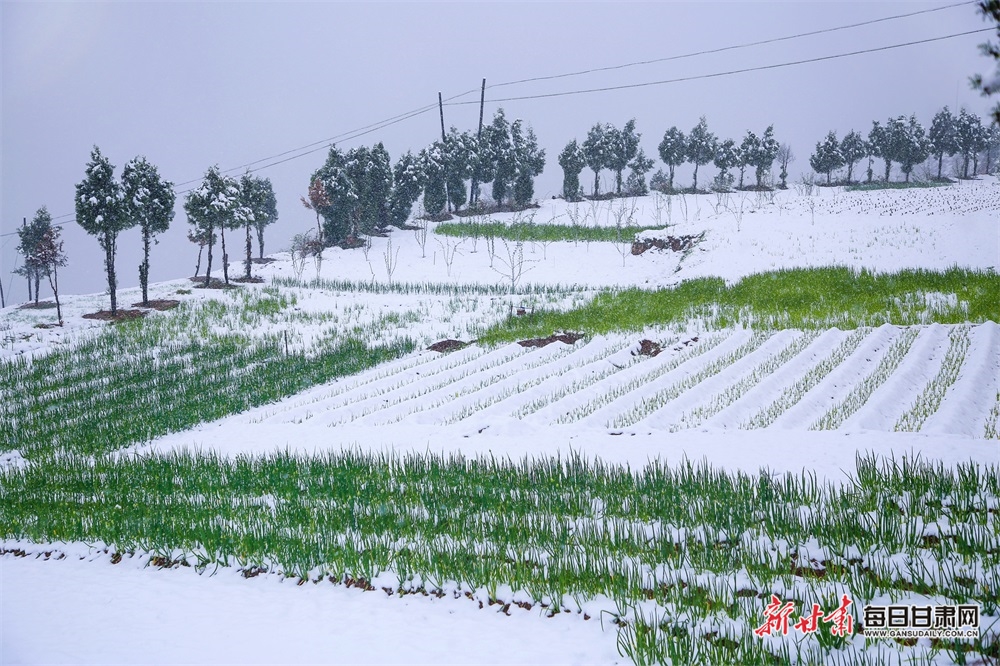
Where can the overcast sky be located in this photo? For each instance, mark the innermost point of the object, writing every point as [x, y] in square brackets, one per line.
[190, 85]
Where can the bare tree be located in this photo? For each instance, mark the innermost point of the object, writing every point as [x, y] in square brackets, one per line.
[449, 248]
[785, 157]
[513, 264]
[391, 260]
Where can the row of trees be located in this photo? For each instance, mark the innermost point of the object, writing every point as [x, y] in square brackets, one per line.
[904, 141]
[105, 207]
[607, 147]
[357, 192]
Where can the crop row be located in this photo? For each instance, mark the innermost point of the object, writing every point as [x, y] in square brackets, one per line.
[702, 546]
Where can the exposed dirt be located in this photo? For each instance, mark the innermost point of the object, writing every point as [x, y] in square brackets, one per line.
[265, 260]
[648, 348]
[47, 325]
[684, 344]
[568, 338]
[40, 305]
[121, 315]
[253, 279]
[158, 304]
[214, 283]
[448, 345]
[672, 243]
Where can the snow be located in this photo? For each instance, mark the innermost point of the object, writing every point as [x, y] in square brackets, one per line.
[87, 611]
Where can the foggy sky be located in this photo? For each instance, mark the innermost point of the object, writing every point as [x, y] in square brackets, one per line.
[189, 85]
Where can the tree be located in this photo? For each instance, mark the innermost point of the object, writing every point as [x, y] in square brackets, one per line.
[827, 158]
[101, 213]
[460, 149]
[215, 205]
[914, 146]
[969, 130]
[886, 141]
[498, 151]
[201, 239]
[259, 208]
[529, 162]
[149, 202]
[335, 199]
[943, 136]
[572, 163]
[407, 184]
[30, 237]
[673, 152]
[727, 156]
[50, 256]
[745, 153]
[435, 193]
[639, 167]
[852, 149]
[992, 147]
[701, 147]
[622, 145]
[595, 153]
[785, 157]
[990, 9]
[763, 156]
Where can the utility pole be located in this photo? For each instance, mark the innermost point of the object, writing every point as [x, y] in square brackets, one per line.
[474, 188]
[447, 196]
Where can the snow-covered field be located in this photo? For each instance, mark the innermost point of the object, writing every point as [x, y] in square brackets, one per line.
[742, 400]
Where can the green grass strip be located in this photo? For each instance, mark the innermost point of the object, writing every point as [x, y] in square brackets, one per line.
[541, 233]
[932, 396]
[802, 298]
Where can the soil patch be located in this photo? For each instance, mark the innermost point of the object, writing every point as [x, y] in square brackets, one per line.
[158, 304]
[40, 305]
[265, 260]
[253, 279]
[493, 208]
[121, 315]
[215, 283]
[47, 325]
[568, 338]
[448, 345]
[672, 243]
[647, 348]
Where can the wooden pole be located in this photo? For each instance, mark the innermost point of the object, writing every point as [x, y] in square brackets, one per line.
[473, 198]
[24, 223]
[447, 196]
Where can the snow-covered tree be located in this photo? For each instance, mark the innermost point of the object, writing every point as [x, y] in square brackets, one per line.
[407, 184]
[101, 213]
[571, 161]
[914, 147]
[701, 145]
[727, 156]
[990, 9]
[260, 209]
[498, 150]
[852, 148]
[827, 158]
[673, 152]
[745, 153]
[596, 152]
[214, 206]
[432, 165]
[638, 168]
[885, 141]
[336, 200]
[785, 157]
[969, 131]
[50, 256]
[763, 156]
[622, 147]
[529, 162]
[149, 202]
[992, 149]
[30, 238]
[460, 149]
[267, 214]
[943, 136]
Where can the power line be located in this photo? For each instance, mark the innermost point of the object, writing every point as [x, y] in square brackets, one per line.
[732, 48]
[727, 73]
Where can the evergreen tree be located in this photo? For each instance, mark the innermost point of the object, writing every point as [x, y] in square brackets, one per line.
[149, 201]
[943, 136]
[886, 141]
[701, 147]
[638, 168]
[914, 147]
[990, 9]
[852, 148]
[595, 152]
[215, 205]
[727, 156]
[529, 161]
[407, 184]
[49, 255]
[969, 134]
[673, 152]
[622, 146]
[380, 185]
[432, 165]
[827, 158]
[30, 237]
[499, 151]
[763, 157]
[571, 161]
[267, 214]
[336, 200]
[459, 153]
[101, 213]
[992, 148]
[745, 153]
